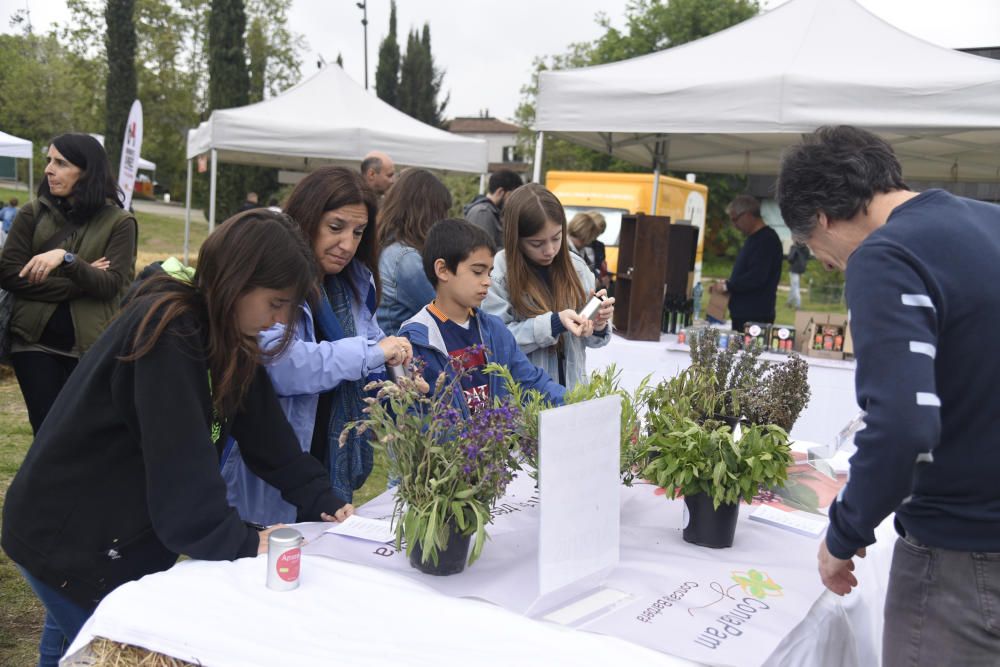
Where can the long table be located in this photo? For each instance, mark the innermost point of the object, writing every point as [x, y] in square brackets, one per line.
[831, 382]
[367, 612]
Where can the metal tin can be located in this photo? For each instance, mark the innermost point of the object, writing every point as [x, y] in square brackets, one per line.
[723, 341]
[284, 557]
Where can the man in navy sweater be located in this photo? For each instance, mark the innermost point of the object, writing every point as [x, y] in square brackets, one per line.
[921, 274]
[753, 283]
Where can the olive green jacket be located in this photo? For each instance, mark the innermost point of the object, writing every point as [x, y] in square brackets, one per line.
[94, 295]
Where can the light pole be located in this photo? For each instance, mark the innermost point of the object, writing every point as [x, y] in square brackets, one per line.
[363, 6]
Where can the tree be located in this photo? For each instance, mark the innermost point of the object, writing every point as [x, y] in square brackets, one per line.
[651, 25]
[387, 70]
[278, 48]
[122, 85]
[257, 55]
[420, 81]
[228, 87]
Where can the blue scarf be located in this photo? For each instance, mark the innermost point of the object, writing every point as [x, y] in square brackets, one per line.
[351, 464]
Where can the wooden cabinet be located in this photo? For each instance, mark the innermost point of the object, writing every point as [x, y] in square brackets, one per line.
[655, 258]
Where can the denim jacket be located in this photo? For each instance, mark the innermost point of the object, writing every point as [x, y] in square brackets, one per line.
[534, 334]
[405, 288]
[300, 374]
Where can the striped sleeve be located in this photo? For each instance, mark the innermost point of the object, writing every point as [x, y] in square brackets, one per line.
[894, 324]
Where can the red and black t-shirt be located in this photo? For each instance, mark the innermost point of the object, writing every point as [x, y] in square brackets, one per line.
[464, 342]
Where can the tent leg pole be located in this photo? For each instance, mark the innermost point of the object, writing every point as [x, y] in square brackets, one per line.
[536, 176]
[211, 191]
[482, 183]
[187, 217]
[31, 173]
[656, 188]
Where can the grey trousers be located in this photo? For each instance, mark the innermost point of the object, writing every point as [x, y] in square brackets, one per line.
[942, 608]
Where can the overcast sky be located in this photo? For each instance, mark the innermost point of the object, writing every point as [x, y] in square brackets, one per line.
[486, 48]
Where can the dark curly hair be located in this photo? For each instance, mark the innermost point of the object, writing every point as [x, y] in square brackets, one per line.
[836, 170]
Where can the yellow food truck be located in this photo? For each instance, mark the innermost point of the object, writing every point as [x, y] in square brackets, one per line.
[614, 195]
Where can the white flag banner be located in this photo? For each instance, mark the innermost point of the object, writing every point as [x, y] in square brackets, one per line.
[131, 144]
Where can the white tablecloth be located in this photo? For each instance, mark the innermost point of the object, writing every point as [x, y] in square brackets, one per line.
[831, 382]
[220, 614]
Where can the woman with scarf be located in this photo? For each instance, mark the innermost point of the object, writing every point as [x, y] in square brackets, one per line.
[336, 343]
[68, 261]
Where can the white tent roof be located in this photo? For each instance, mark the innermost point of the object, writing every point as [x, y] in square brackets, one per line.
[11, 146]
[143, 163]
[732, 101]
[330, 118]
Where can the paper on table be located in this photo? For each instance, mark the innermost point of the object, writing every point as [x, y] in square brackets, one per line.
[363, 528]
[803, 523]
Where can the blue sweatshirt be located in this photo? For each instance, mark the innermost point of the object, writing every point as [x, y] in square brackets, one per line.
[753, 283]
[925, 310]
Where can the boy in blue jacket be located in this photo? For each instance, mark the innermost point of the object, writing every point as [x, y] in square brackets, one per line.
[458, 259]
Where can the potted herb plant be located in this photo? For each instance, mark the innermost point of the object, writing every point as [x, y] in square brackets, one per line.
[453, 465]
[704, 460]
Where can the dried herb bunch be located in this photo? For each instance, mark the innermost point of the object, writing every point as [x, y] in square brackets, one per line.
[747, 386]
[780, 395]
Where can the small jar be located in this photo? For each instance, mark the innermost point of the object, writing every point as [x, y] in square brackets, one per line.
[284, 558]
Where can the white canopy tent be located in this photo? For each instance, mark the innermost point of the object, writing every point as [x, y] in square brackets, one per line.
[328, 118]
[731, 102]
[19, 149]
[143, 163]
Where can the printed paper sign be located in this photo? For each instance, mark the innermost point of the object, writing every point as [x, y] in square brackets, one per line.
[362, 528]
[579, 452]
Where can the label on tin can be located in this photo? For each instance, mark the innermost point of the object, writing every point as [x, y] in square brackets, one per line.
[287, 566]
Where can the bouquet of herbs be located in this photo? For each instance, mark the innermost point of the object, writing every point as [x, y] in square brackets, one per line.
[452, 464]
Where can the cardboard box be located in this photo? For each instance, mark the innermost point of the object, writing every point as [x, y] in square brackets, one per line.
[808, 323]
[718, 306]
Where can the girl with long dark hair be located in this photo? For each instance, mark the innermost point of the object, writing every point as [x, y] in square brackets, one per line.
[68, 261]
[124, 475]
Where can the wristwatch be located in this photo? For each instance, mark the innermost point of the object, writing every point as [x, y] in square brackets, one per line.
[68, 258]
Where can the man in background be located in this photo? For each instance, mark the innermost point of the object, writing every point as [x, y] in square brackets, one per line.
[484, 210]
[798, 258]
[249, 203]
[753, 284]
[379, 172]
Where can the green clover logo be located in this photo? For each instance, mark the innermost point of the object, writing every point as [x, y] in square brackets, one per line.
[757, 584]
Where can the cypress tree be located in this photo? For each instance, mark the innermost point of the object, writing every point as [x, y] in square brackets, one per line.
[257, 47]
[228, 86]
[409, 76]
[122, 85]
[387, 70]
[419, 81]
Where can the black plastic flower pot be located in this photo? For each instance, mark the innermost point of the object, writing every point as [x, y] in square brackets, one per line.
[707, 526]
[451, 560]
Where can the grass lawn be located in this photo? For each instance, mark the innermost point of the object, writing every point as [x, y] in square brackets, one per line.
[21, 614]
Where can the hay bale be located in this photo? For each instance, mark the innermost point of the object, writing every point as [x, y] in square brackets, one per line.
[107, 653]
